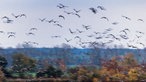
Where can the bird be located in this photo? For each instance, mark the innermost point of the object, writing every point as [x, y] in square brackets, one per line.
[124, 31]
[11, 33]
[68, 12]
[30, 33]
[77, 37]
[93, 10]
[126, 17]
[79, 31]
[127, 29]
[101, 7]
[114, 36]
[140, 32]
[77, 11]
[132, 46]
[55, 36]
[61, 6]
[52, 21]
[11, 36]
[109, 29]
[16, 16]
[97, 32]
[6, 19]
[71, 31]
[35, 43]
[115, 23]
[26, 42]
[140, 20]
[33, 29]
[76, 15]
[61, 16]
[141, 44]
[105, 18]
[42, 20]
[2, 32]
[67, 40]
[58, 25]
[23, 15]
[86, 27]
[124, 36]
[138, 36]
[90, 35]
[98, 37]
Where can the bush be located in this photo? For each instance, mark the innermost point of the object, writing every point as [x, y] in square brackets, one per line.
[50, 72]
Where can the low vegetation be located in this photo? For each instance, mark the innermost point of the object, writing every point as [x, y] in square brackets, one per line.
[116, 69]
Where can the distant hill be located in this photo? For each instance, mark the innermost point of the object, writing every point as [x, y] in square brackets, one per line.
[71, 56]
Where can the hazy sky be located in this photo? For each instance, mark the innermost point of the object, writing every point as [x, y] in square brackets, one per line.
[39, 9]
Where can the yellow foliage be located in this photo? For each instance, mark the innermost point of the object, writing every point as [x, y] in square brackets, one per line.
[119, 76]
[95, 80]
[82, 71]
[133, 74]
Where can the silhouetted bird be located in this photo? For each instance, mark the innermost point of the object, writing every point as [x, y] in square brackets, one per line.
[115, 23]
[79, 31]
[55, 36]
[124, 31]
[11, 36]
[105, 18]
[77, 37]
[61, 6]
[16, 16]
[42, 20]
[51, 21]
[61, 16]
[141, 44]
[86, 27]
[77, 11]
[98, 37]
[30, 33]
[124, 36]
[109, 29]
[101, 7]
[114, 36]
[33, 29]
[77, 15]
[93, 10]
[67, 40]
[90, 35]
[140, 20]
[35, 43]
[97, 32]
[2, 32]
[58, 25]
[126, 17]
[6, 19]
[71, 31]
[140, 32]
[11, 33]
[68, 12]
[23, 15]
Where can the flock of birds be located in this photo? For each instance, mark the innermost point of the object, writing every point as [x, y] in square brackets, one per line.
[98, 39]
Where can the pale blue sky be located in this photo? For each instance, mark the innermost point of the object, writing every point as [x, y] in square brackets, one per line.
[35, 9]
